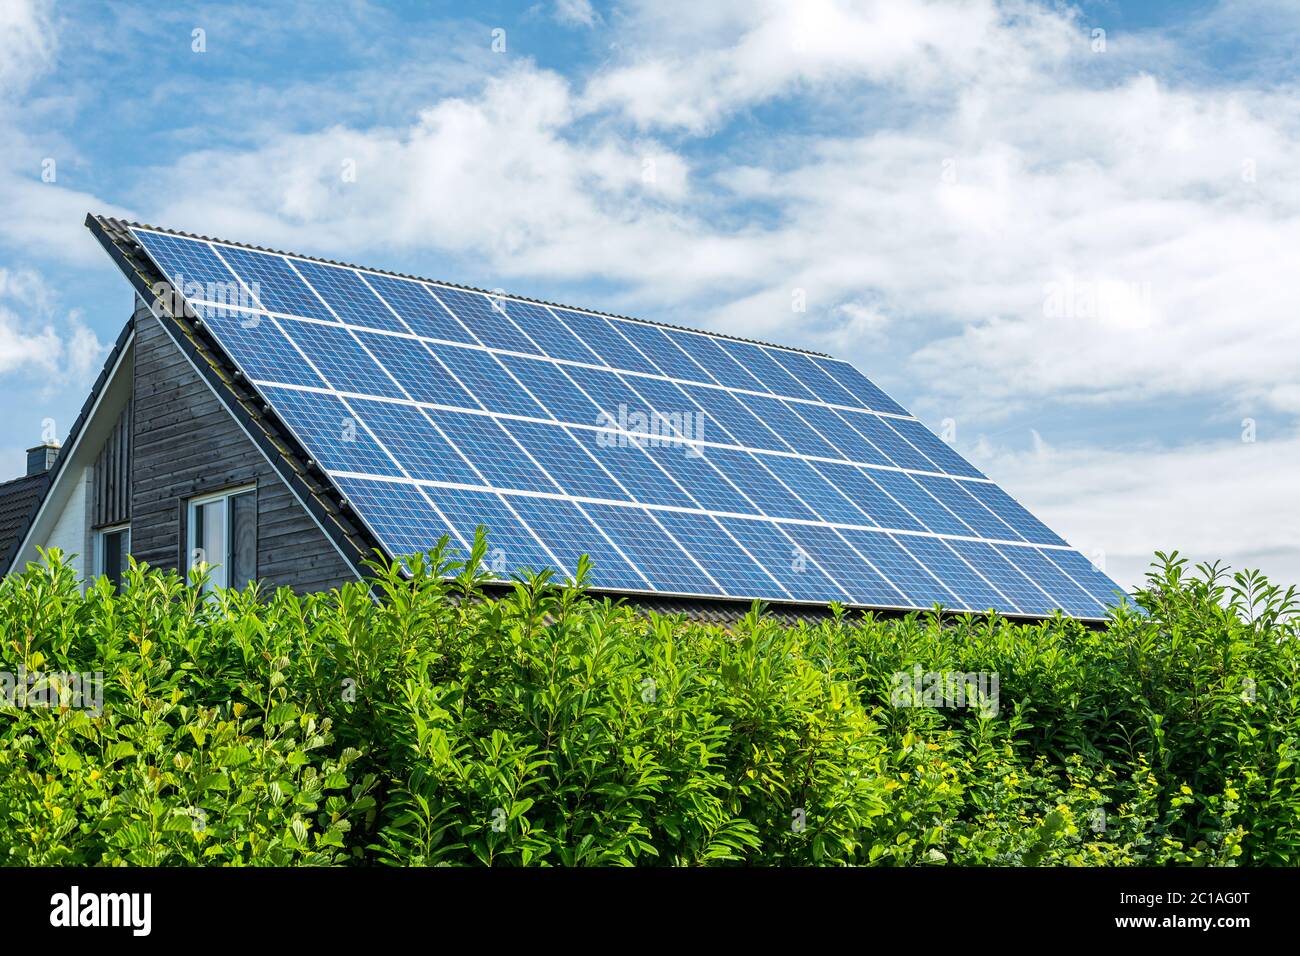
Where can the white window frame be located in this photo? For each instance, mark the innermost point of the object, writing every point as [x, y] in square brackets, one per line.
[217, 572]
[101, 535]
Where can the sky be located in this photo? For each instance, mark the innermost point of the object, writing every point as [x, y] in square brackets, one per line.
[1063, 235]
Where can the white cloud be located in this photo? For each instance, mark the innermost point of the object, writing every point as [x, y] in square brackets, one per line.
[27, 43]
[705, 61]
[576, 13]
[34, 340]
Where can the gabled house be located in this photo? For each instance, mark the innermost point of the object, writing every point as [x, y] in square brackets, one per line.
[333, 411]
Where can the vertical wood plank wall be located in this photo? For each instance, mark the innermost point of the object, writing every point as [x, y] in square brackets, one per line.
[186, 443]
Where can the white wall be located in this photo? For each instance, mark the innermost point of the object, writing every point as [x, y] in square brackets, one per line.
[71, 531]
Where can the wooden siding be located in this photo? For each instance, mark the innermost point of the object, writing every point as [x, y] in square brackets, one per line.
[186, 443]
[111, 484]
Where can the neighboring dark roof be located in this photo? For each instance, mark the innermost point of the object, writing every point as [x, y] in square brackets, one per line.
[18, 501]
[122, 225]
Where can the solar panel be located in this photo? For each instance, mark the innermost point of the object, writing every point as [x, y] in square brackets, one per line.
[683, 463]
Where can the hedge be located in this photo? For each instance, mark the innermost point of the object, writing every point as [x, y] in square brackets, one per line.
[418, 718]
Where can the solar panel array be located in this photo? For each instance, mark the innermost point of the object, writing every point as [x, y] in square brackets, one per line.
[683, 463]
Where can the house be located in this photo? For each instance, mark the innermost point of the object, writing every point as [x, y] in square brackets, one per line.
[282, 418]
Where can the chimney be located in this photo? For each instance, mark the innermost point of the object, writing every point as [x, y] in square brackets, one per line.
[41, 458]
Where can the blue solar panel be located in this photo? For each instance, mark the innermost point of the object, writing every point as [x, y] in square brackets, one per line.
[683, 463]
[486, 317]
[332, 432]
[798, 574]
[814, 378]
[726, 560]
[836, 430]
[872, 499]
[421, 450]
[863, 582]
[604, 339]
[860, 386]
[194, 269]
[690, 467]
[897, 450]
[553, 390]
[1005, 576]
[485, 443]
[487, 380]
[340, 359]
[400, 516]
[648, 483]
[774, 498]
[577, 472]
[719, 364]
[661, 559]
[421, 373]
[1069, 596]
[730, 422]
[258, 347]
[826, 501]
[348, 296]
[420, 310]
[279, 287]
[666, 356]
[758, 360]
[512, 547]
[933, 561]
[552, 336]
[571, 534]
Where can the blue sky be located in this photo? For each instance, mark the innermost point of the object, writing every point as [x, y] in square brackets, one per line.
[1070, 230]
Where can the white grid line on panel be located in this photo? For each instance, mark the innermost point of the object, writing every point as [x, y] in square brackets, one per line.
[610, 427]
[454, 445]
[558, 361]
[310, 364]
[717, 514]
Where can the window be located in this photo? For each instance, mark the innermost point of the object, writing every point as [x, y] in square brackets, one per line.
[222, 533]
[112, 551]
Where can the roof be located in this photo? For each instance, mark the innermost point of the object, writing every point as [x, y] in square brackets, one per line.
[320, 494]
[18, 502]
[121, 227]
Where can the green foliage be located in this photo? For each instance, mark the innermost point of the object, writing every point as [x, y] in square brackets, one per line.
[415, 720]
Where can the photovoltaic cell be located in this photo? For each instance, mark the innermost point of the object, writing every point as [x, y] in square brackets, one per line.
[576, 472]
[570, 534]
[420, 372]
[487, 318]
[258, 347]
[331, 431]
[801, 577]
[420, 449]
[661, 559]
[278, 287]
[758, 360]
[705, 540]
[348, 296]
[399, 516]
[511, 547]
[568, 433]
[857, 384]
[418, 308]
[719, 364]
[487, 380]
[485, 443]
